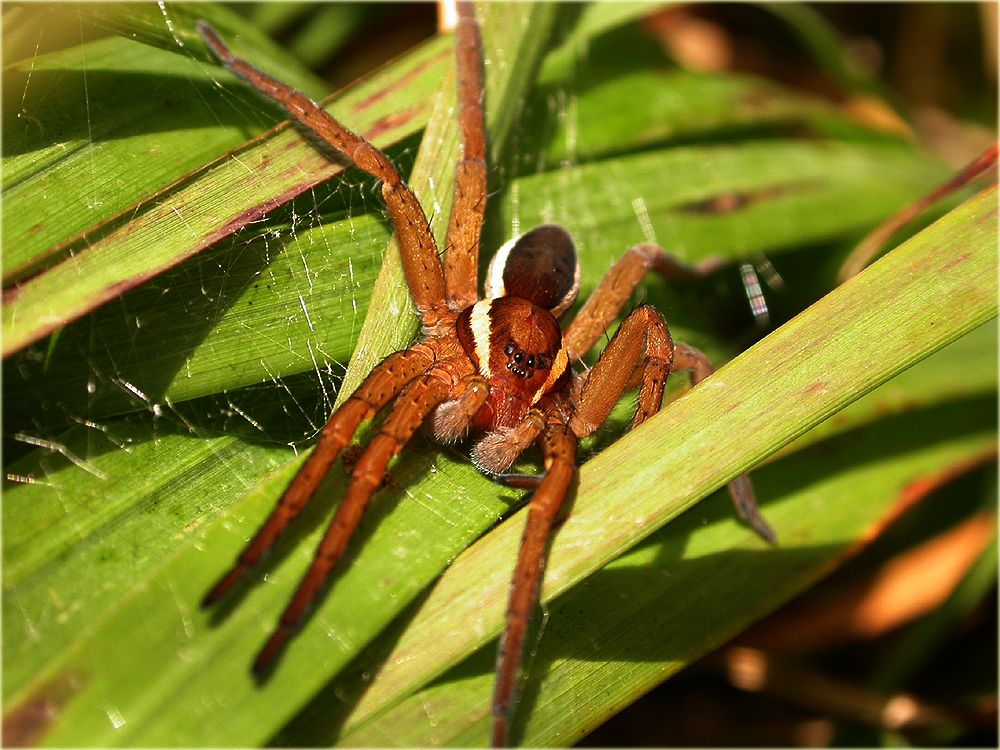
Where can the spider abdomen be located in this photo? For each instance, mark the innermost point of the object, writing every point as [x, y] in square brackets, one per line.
[540, 266]
[517, 347]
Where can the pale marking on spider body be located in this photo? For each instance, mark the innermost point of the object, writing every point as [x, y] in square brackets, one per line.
[494, 286]
[558, 367]
[479, 321]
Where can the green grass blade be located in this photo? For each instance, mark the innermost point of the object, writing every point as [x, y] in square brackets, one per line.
[182, 219]
[84, 127]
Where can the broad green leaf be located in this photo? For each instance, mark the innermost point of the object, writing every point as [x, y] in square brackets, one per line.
[106, 123]
[208, 205]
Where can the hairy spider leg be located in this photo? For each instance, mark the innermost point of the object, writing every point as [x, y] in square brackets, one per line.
[453, 419]
[417, 247]
[559, 451]
[641, 340]
[686, 357]
[386, 380]
[497, 450]
[461, 256]
[603, 307]
[415, 402]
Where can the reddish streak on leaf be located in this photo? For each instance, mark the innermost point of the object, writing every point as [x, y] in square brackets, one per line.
[731, 202]
[389, 122]
[757, 99]
[955, 262]
[10, 294]
[816, 388]
[401, 82]
[27, 722]
[265, 163]
[252, 214]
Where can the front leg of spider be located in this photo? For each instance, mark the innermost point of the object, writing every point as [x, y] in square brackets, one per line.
[416, 381]
[641, 354]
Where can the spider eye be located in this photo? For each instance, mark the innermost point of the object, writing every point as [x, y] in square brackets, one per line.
[539, 266]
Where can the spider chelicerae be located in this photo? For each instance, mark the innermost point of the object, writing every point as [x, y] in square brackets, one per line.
[500, 365]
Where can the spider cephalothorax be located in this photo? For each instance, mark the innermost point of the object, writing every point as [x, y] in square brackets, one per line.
[501, 365]
[512, 336]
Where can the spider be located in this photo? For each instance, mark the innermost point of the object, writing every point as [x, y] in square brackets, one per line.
[500, 365]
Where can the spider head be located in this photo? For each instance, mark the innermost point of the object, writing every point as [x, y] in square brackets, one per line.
[539, 266]
[512, 336]
[517, 346]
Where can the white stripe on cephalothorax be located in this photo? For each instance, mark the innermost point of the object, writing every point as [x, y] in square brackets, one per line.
[493, 286]
[479, 322]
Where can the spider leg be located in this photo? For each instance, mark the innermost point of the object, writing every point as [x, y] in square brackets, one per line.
[606, 382]
[384, 382]
[499, 449]
[415, 402]
[461, 257]
[642, 341]
[452, 419]
[559, 450]
[413, 233]
[740, 489]
[605, 304]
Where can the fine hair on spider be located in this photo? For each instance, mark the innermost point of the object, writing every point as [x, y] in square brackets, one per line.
[500, 366]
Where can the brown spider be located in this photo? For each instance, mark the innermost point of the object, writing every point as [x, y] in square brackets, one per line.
[500, 365]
